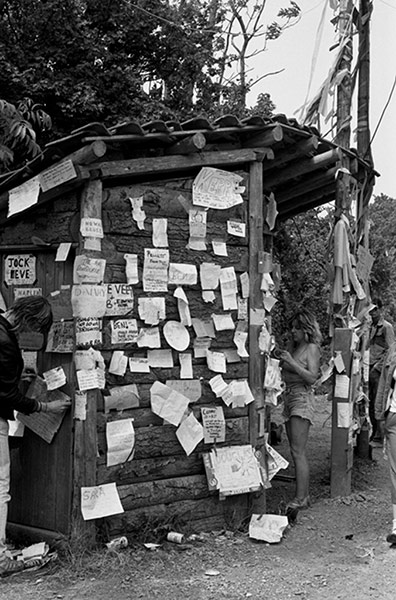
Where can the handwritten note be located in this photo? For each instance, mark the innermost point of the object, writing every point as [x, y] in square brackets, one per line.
[88, 331]
[131, 269]
[197, 224]
[167, 403]
[60, 337]
[213, 424]
[22, 197]
[215, 188]
[189, 433]
[57, 175]
[91, 227]
[122, 397]
[155, 270]
[120, 437]
[54, 378]
[139, 364]
[149, 337]
[152, 310]
[119, 299]
[182, 274]
[124, 331]
[100, 501]
[89, 300]
[160, 236]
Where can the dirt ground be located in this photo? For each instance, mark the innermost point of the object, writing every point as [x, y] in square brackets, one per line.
[336, 549]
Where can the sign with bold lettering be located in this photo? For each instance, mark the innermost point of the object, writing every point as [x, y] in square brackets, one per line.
[20, 269]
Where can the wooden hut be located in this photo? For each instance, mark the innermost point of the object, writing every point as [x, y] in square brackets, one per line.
[113, 213]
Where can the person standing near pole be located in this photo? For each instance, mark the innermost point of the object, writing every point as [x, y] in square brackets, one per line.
[28, 314]
[382, 337]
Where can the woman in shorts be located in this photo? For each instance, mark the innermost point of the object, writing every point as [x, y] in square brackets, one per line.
[300, 370]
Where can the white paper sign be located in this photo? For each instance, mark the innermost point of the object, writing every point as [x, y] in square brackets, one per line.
[131, 269]
[189, 433]
[213, 423]
[100, 501]
[124, 331]
[155, 270]
[91, 227]
[214, 188]
[89, 300]
[160, 236]
[58, 174]
[20, 269]
[119, 299]
[120, 437]
[236, 228]
[168, 403]
[182, 274]
[55, 378]
[23, 196]
[88, 269]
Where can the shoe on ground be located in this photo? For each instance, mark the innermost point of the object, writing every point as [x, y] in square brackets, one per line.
[8, 566]
[299, 503]
[391, 538]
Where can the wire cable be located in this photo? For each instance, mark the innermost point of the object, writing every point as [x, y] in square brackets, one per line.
[382, 116]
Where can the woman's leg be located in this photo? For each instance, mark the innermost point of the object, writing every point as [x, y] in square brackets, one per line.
[297, 430]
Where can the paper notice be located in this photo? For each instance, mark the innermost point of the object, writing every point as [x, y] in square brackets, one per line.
[203, 329]
[223, 322]
[183, 307]
[341, 389]
[219, 248]
[20, 269]
[216, 361]
[54, 378]
[344, 414]
[88, 359]
[186, 369]
[100, 501]
[138, 213]
[23, 292]
[80, 405]
[160, 358]
[57, 175]
[240, 339]
[139, 364]
[218, 385]
[201, 344]
[120, 437]
[242, 309]
[244, 278]
[231, 355]
[149, 338]
[155, 270]
[182, 274]
[124, 331]
[60, 337]
[91, 227]
[271, 212]
[237, 469]
[88, 331]
[168, 403]
[131, 269]
[197, 224]
[215, 188]
[62, 251]
[236, 228]
[45, 424]
[190, 433]
[208, 296]
[89, 300]
[118, 363]
[269, 301]
[22, 197]
[229, 289]
[160, 236]
[151, 310]
[90, 379]
[275, 461]
[209, 274]
[119, 299]
[213, 424]
[241, 393]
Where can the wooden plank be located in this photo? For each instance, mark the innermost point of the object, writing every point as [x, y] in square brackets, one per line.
[85, 433]
[302, 167]
[282, 158]
[341, 450]
[171, 164]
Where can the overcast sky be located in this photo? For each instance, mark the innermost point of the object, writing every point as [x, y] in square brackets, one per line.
[293, 52]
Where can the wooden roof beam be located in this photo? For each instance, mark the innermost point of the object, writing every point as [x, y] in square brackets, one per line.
[265, 138]
[309, 185]
[304, 148]
[302, 167]
[188, 145]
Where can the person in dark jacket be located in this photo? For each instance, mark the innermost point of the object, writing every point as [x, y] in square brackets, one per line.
[28, 314]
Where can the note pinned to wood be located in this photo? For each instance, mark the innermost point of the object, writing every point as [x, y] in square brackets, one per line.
[45, 424]
[100, 501]
[24, 196]
[120, 437]
[215, 188]
[189, 433]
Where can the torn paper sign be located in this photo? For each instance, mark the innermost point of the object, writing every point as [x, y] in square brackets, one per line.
[219, 248]
[189, 433]
[119, 299]
[120, 438]
[242, 309]
[241, 393]
[167, 403]
[240, 339]
[269, 301]
[229, 288]
[160, 236]
[124, 331]
[244, 278]
[216, 361]
[131, 268]
[197, 223]
[138, 213]
[186, 369]
[155, 270]
[182, 274]
[139, 364]
[223, 322]
[275, 461]
[236, 469]
[268, 528]
[208, 296]
[118, 363]
[60, 337]
[151, 310]
[183, 307]
[209, 274]
[215, 188]
[219, 386]
[80, 405]
[122, 397]
[57, 175]
[89, 379]
[213, 422]
[162, 358]
[88, 359]
[100, 501]
[271, 212]
[236, 228]
[149, 337]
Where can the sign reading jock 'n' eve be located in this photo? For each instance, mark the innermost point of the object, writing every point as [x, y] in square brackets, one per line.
[20, 269]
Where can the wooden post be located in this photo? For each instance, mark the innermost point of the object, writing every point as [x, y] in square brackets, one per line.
[85, 432]
[256, 359]
[341, 448]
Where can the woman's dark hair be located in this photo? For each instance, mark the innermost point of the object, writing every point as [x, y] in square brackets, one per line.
[308, 324]
[32, 312]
